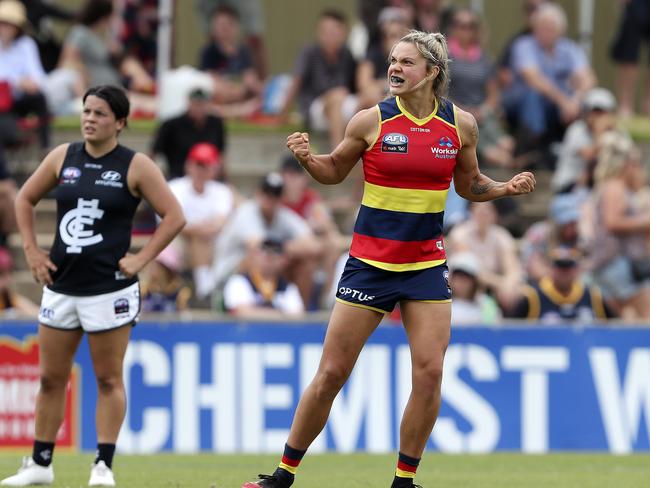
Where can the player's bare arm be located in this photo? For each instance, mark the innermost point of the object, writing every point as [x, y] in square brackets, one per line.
[34, 189]
[469, 182]
[146, 180]
[331, 169]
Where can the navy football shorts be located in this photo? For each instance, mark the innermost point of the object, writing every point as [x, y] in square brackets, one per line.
[377, 289]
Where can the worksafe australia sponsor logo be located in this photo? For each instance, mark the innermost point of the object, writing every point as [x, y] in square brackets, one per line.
[110, 178]
[445, 149]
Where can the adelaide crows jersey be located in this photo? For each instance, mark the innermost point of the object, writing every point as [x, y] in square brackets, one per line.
[94, 217]
[407, 174]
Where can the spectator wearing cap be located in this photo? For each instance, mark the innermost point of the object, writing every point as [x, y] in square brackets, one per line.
[22, 77]
[581, 143]
[163, 289]
[560, 296]
[500, 271]
[262, 216]
[10, 301]
[176, 136]
[560, 229]
[261, 291]
[206, 205]
[470, 306]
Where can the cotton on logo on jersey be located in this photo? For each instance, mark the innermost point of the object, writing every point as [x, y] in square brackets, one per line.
[110, 178]
[445, 149]
[72, 227]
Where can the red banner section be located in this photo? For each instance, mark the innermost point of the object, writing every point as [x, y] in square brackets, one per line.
[19, 381]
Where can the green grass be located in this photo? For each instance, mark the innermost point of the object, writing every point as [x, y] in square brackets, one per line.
[360, 470]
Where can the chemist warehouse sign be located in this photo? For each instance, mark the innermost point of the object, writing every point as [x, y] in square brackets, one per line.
[233, 388]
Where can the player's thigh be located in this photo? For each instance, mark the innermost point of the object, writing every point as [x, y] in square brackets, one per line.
[428, 328]
[107, 350]
[57, 348]
[347, 332]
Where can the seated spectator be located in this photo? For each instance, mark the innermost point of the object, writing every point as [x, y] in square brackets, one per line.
[431, 15]
[138, 33]
[579, 150]
[262, 216]
[475, 88]
[307, 202]
[560, 297]
[163, 289]
[8, 192]
[88, 49]
[621, 230]
[372, 81]
[175, 137]
[500, 271]
[237, 88]
[551, 76]
[260, 291]
[470, 306]
[10, 301]
[22, 78]
[206, 206]
[561, 229]
[324, 79]
[251, 15]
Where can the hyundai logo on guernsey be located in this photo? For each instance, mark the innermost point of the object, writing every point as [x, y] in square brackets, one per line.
[70, 175]
[445, 149]
[395, 143]
[110, 178]
[356, 294]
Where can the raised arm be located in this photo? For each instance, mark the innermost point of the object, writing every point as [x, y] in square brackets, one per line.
[469, 182]
[332, 168]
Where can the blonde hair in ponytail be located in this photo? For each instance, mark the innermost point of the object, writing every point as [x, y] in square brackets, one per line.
[433, 48]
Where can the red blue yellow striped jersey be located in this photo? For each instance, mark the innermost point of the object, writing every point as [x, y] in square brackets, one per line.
[407, 174]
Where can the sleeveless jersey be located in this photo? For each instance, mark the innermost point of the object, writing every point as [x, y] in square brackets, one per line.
[545, 303]
[94, 216]
[407, 174]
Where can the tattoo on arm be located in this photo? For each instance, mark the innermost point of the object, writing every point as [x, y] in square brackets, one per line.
[478, 188]
[474, 131]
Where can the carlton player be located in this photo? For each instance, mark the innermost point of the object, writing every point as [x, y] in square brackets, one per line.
[90, 281]
[412, 145]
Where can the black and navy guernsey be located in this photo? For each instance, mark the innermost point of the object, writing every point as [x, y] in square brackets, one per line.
[94, 218]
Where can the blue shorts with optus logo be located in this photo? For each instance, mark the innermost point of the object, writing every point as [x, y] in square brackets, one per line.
[377, 289]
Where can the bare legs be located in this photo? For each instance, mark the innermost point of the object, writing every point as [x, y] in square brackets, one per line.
[107, 350]
[348, 330]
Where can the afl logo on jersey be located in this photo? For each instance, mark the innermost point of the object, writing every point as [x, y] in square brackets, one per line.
[70, 175]
[110, 178]
[395, 143]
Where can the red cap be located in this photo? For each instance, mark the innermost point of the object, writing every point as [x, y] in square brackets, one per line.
[6, 262]
[204, 153]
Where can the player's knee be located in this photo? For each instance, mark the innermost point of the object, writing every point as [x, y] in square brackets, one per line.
[107, 384]
[427, 377]
[52, 383]
[330, 380]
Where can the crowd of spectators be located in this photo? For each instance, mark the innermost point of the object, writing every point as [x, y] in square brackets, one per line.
[278, 253]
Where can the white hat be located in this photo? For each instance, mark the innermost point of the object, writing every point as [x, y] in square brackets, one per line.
[599, 99]
[465, 262]
[13, 12]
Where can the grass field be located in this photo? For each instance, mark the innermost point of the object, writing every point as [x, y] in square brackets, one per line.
[359, 470]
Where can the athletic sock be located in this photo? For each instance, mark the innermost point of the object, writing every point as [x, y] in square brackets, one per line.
[405, 472]
[105, 453]
[289, 465]
[43, 452]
